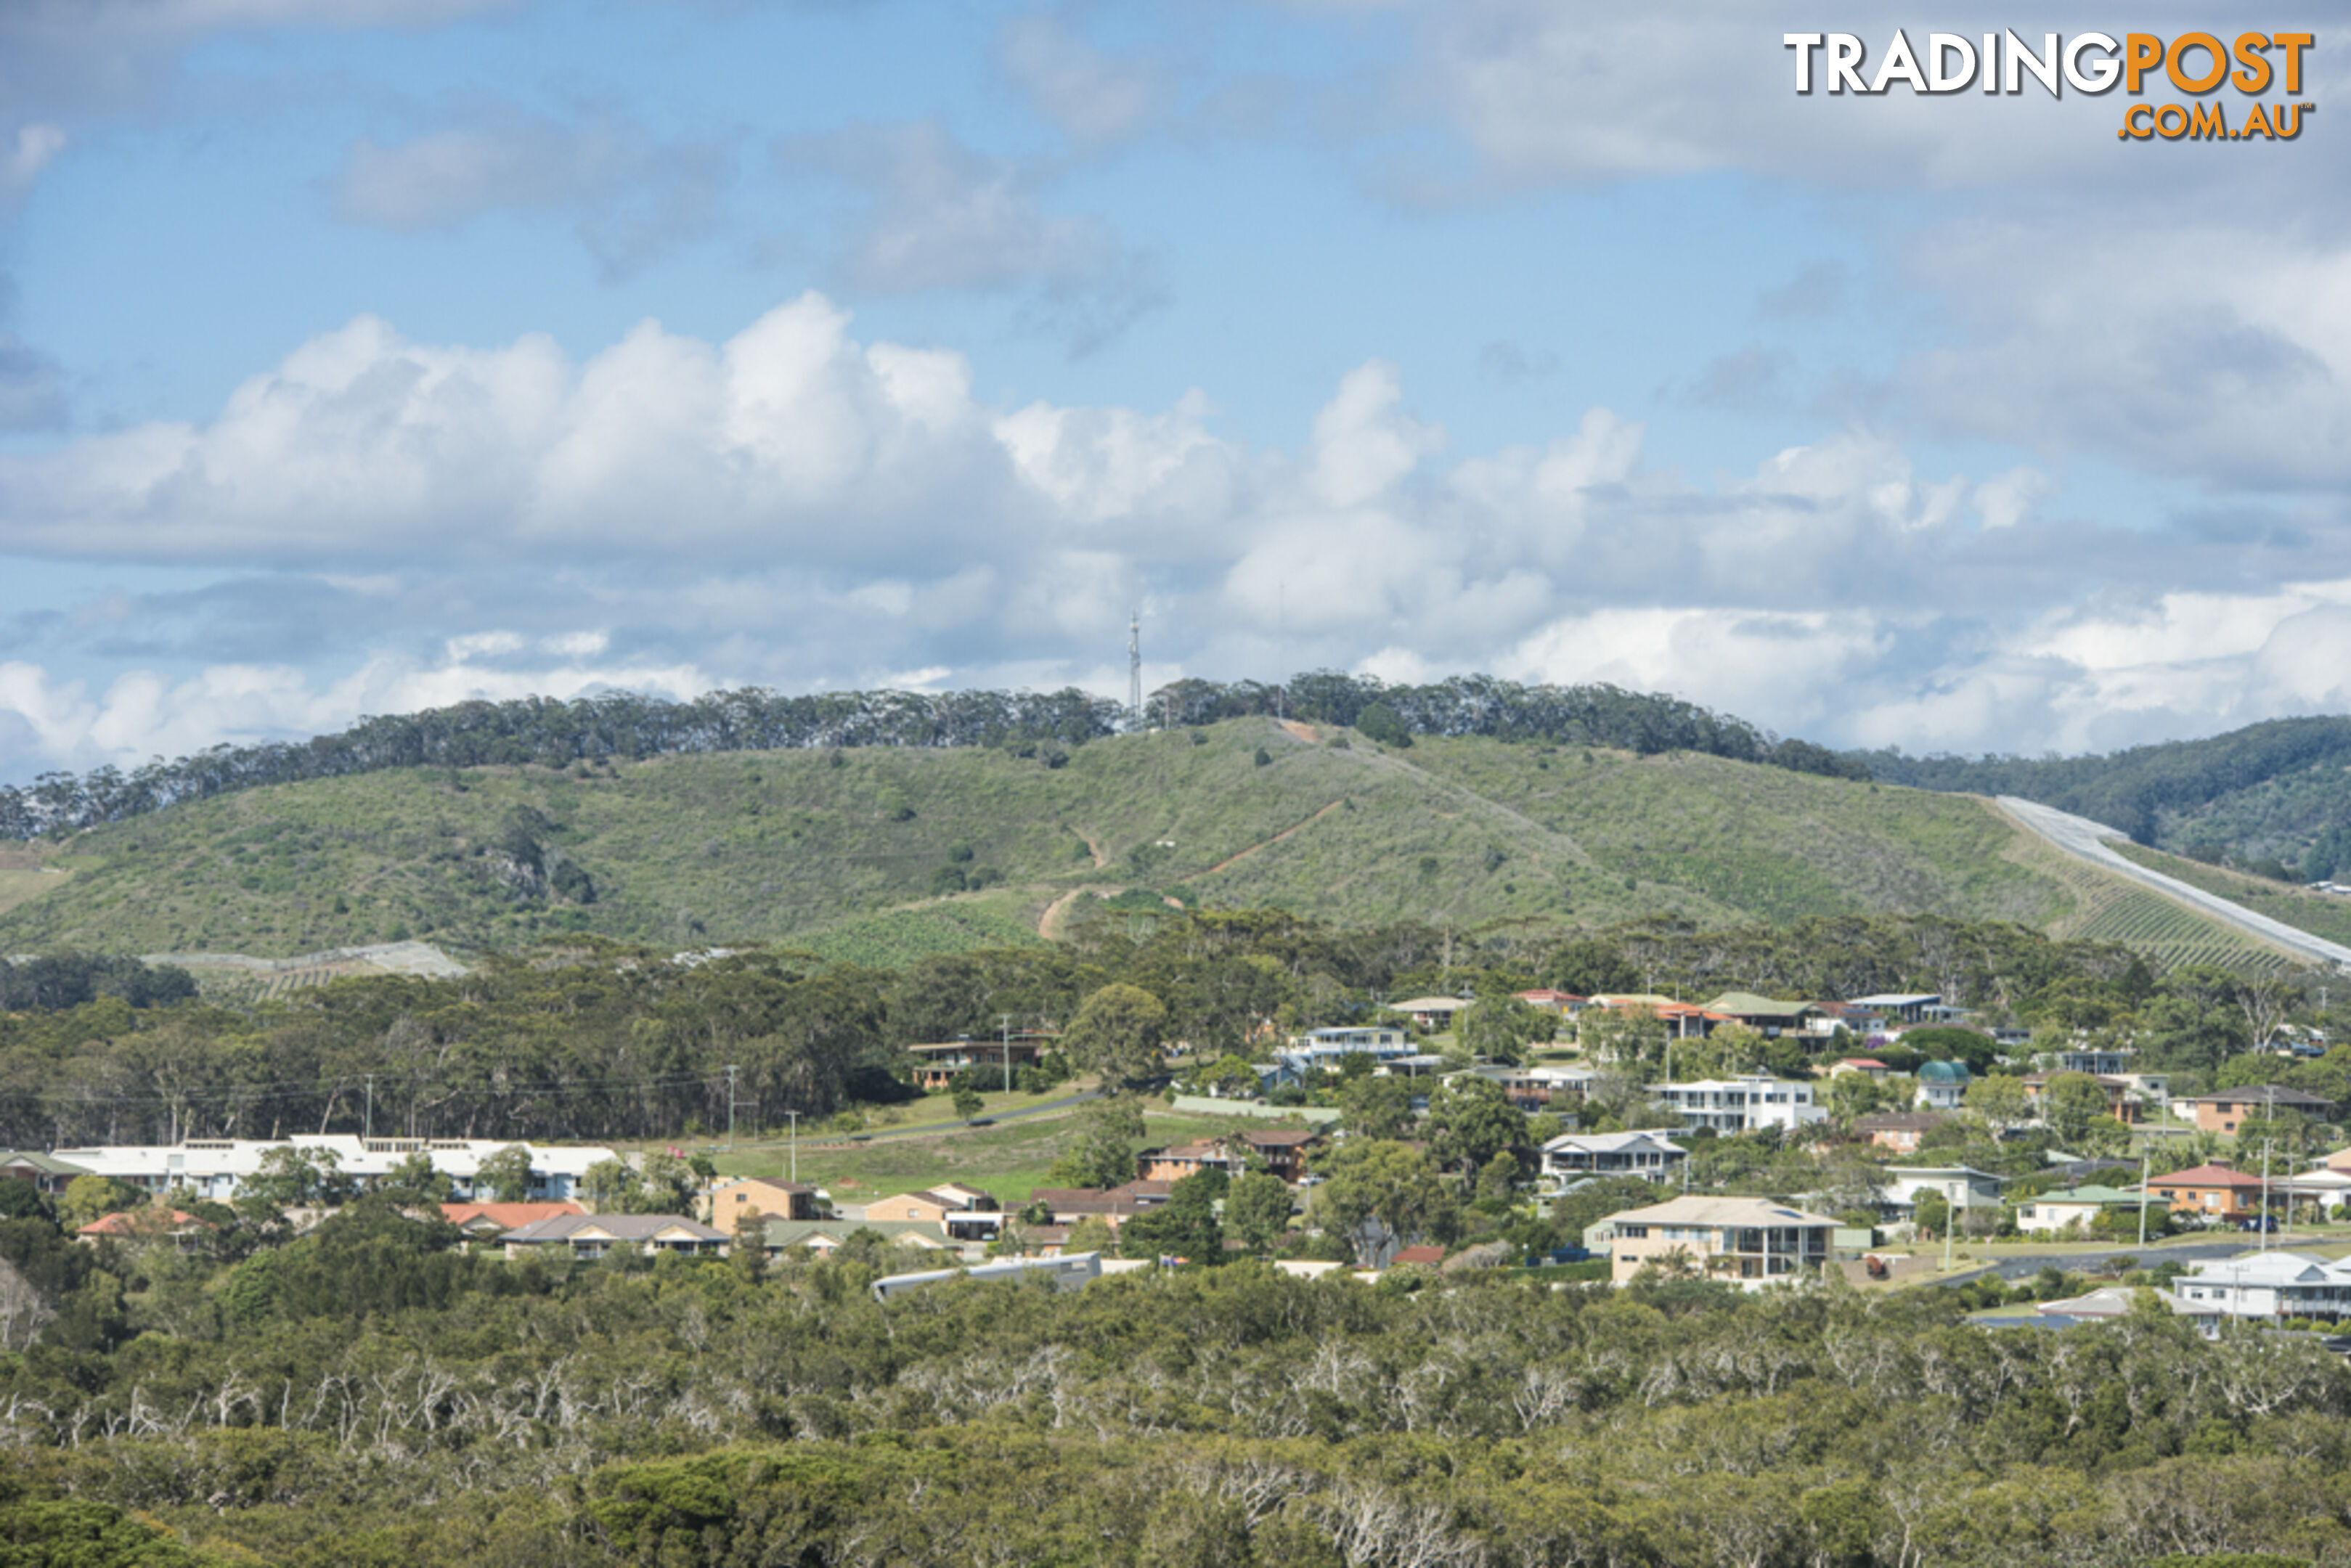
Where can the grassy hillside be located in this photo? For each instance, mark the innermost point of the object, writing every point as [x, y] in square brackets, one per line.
[847, 851]
[2320, 913]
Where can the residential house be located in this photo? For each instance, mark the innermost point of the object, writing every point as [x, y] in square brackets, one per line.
[1773, 1019]
[2226, 1111]
[1649, 1154]
[1065, 1272]
[2122, 1104]
[488, 1221]
[960, 1213]
[1426, 1257]
[821, 1237]
[2215, 1191]
[1748, 1103]
[1113, 1206]
[1868, 1065]
[1280, 1151]
[729, 1201]
[1683, 1020]
[2264, 1286]
[46, 1173]
[2101, 1306]
[1536, 1089]
[1752, 1240]
[1321, 1050]
[1899, 1131]
[214, 1167]
[1553, 1001]
[2078, 1205]
[2096, 1063]
[938, 1064]
[1942, 1085]
[184, 1230]
[1962, 1187]
[590, 1236]
[1434, 1014]
[1906, 1008]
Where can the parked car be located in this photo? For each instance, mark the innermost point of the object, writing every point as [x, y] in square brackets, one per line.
[2265, 1222]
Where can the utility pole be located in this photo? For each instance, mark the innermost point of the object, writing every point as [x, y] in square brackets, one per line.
[1003, 1023]
[794, 1170]
[1950, 1219]
[2264, 1223]
[731, 1072]
[2142, 1197]
[369, 1122]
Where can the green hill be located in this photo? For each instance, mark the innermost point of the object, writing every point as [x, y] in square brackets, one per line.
[860, 852]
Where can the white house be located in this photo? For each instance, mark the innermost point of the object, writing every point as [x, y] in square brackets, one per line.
[2076, 1206]
[2264, 1285]
[1321, 1050]
[1611, 1153]
[1751, 1241]
[216, 1167]
[1962, 1187]
[1745, 1104]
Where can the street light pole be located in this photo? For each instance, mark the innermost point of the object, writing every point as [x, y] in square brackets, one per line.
[731, 1072]
[795, 1115]
[1950, 1217]
[2263, 1222]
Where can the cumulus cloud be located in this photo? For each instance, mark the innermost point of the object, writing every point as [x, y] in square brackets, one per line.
[795, 506]
[142, 714]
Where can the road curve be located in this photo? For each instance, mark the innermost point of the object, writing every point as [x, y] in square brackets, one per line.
[2085, 839]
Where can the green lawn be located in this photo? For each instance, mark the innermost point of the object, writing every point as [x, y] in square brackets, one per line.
[1009, 1161]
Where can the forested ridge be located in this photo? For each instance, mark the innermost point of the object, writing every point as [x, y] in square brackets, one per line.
[624, 726]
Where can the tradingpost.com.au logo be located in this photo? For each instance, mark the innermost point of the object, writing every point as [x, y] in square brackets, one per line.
[2198, 64]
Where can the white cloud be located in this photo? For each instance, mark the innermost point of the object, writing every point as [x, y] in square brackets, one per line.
[797, 507]
[142, 714]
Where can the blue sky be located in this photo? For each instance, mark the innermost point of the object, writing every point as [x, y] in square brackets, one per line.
[363, 355]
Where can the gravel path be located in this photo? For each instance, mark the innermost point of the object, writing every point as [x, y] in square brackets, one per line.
[2087, 839]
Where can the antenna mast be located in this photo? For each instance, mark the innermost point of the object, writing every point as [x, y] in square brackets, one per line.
[1135, 669]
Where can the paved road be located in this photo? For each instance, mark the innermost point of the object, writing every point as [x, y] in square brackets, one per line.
[938, 1129]
[2087, 839]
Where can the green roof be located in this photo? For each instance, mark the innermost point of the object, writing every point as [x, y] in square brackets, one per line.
[1944, 1073]
[49, 1165]
[2086, 1195]
[1747, 1004]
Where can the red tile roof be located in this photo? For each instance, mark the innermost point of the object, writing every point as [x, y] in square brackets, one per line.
[133, 1223]
[505, 1216]
[1429, 1255]
[2206, 1176]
